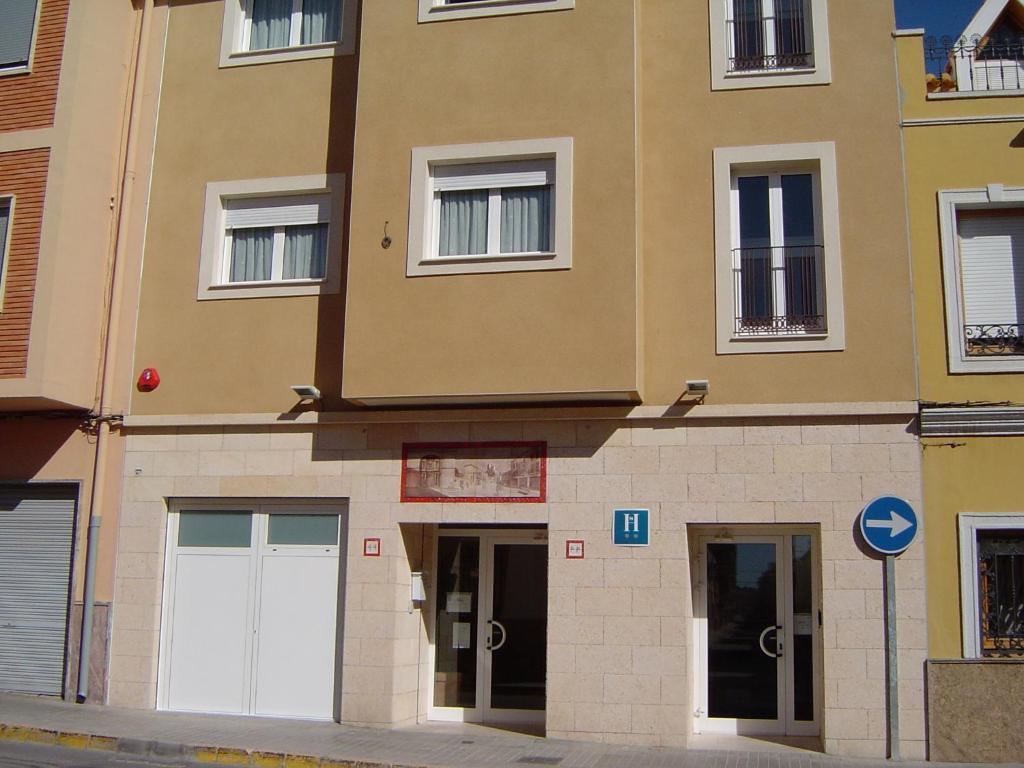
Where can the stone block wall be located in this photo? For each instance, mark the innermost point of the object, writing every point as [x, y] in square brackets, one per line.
[620, 658]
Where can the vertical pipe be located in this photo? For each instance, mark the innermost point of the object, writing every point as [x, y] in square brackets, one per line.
[893, 710]
[109, 345]
[87, 605]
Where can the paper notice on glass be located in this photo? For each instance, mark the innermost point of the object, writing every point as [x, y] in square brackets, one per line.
[461, 634]
[459, 602]
[802, 624]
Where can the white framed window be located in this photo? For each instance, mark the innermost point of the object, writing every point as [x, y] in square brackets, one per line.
[982, 232]
[769, 43]
[18, 22]
[6, 216]
[496, 207]
[264, 31]
[778, 267]
[992, 584]
[445, 10]
[272, 237]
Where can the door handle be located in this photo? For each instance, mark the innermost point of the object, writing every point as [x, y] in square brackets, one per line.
[504, 634]
[778, 642]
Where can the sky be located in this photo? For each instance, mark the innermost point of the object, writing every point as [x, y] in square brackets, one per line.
[938, 17]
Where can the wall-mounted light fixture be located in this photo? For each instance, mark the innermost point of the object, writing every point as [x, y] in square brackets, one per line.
[306, 392]
[697, 387]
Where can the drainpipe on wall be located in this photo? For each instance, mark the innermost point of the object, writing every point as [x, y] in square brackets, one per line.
[106, 383]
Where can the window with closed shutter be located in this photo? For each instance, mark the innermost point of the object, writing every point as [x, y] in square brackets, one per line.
[991, 244]
[17, 23]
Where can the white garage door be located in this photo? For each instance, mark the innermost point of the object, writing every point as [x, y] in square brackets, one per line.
[251, 602]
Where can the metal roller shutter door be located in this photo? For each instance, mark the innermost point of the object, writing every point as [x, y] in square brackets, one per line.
[36, 535]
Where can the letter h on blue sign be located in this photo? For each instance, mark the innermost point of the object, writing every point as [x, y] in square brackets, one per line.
[631, 527]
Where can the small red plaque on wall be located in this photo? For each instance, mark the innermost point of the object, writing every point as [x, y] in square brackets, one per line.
[371, 547]
[574, 549]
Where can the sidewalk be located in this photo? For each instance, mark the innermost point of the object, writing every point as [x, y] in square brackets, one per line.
[270, 742]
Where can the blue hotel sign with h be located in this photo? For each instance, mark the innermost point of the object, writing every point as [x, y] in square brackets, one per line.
[631, 527]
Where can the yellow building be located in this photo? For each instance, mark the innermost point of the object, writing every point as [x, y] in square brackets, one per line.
[443, 293]
[963, 129]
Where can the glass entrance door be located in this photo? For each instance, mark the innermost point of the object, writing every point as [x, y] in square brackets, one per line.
[490, 628]
[756, 641]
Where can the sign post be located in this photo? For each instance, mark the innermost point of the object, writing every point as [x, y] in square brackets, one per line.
[889, 525]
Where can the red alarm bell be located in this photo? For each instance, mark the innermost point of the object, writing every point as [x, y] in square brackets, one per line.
[149, 380]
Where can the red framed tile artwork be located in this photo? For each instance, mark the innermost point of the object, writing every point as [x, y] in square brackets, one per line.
[512, 472]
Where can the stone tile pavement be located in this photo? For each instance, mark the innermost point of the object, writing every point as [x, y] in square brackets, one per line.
[269, 742]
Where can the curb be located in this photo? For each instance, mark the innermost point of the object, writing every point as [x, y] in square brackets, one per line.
[165, 749]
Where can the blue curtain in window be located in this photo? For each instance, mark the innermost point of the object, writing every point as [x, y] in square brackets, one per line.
[463, 226]
[252, 251]
[305, 251]
[525, 219]
[321, 21]
[271, 24]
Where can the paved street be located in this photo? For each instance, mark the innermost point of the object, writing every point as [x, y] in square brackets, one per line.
[22, 755]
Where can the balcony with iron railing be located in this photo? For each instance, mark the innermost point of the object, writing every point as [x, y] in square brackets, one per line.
[994, 339]
[779, 291]
[975, 65]
[760, 42]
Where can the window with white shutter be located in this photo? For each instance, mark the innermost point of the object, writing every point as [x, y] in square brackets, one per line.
[991, 243]
[982, 237]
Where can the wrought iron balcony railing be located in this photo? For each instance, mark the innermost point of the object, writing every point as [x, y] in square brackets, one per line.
[994, 339]
[777, 40]
[779, 291]
[977, 63]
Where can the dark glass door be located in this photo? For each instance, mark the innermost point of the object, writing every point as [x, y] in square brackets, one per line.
[744, 644]
[517, 627]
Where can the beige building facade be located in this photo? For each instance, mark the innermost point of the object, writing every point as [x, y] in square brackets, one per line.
[73, 95]
[448, 313]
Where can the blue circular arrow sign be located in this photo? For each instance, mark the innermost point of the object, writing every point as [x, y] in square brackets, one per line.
[888, 525]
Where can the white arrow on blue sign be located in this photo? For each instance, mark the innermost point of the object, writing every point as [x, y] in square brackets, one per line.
[888, 525]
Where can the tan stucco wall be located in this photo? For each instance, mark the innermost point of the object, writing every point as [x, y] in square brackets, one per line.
[960, 474]
[75, 248]
[683, 121]
[539, 75]
[951, 157]
[249, 122]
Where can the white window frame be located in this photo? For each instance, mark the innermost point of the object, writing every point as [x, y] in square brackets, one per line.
[732, 162]
[216, 244]
[970, 601]
[235, 37]
[494, 164]
[820, 73]
[26, 68]
[5, 247]
[439, 10]
[994, 196]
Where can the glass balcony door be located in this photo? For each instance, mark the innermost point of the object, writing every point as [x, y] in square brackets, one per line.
[757, 625]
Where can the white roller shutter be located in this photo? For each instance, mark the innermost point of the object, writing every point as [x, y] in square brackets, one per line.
[36, 535]
[992, 268]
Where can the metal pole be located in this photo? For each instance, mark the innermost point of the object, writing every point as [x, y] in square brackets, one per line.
[893, 710]
[87, 604]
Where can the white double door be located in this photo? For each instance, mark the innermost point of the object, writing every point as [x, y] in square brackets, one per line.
[490, 627]
[251, 612]
[758, 628]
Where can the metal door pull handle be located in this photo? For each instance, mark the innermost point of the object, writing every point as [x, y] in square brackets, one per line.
[778, 643]
[504, 634]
